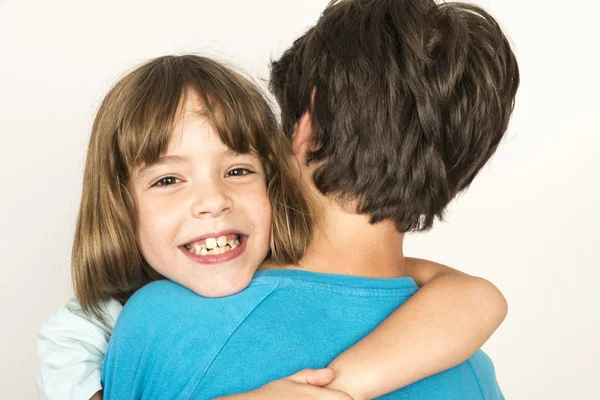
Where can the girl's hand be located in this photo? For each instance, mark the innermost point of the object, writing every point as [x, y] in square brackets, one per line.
[304, 385]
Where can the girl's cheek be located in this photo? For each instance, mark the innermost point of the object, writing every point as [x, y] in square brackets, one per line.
[264, 204]
[267, 215]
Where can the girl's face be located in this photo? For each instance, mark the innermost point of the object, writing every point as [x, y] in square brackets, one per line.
[204, 217]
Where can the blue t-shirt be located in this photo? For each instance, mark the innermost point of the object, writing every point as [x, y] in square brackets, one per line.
[170, 343]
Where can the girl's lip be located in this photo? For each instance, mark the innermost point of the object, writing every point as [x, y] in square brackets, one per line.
[217, 258]
[215, 235]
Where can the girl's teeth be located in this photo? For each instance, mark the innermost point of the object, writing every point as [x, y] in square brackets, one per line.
[214, 246]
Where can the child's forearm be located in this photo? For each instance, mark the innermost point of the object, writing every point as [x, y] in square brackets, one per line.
[305, 384]
[442, 325]
[97, 396]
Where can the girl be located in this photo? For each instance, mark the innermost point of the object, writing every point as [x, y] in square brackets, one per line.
[135, 225]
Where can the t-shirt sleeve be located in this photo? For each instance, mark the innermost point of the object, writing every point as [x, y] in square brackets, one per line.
[149, 340]
[70, 348]
[167, 337]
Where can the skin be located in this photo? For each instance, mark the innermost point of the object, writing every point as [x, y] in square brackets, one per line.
[200, 187]
[307, 384]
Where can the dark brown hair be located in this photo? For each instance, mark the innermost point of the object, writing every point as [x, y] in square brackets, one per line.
[132, 129]
[411, 99]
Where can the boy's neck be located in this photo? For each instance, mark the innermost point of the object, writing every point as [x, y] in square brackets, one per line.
[346, 243]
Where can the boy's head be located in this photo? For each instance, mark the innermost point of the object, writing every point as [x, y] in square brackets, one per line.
[161, 109]
[408, 100]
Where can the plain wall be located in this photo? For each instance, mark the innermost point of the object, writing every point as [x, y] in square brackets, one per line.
[528, 223]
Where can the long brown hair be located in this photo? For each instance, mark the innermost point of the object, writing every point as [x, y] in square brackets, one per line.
[132, 128]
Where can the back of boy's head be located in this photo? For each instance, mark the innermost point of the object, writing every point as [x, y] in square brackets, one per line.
[132, 128]
[411, 99]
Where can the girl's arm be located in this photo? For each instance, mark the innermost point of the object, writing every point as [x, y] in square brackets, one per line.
[442, 325]
[303, 385]
[71, 346]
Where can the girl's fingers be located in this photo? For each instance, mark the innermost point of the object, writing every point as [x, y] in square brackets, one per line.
[315, 377]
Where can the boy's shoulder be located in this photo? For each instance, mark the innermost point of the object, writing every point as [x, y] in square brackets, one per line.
[155, 293]
[162, 304]
[168, 328]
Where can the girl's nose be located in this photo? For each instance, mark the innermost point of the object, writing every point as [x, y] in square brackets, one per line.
[211, 201]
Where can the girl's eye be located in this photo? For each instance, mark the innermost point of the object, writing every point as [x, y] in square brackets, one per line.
[239, 172]
[166, 181]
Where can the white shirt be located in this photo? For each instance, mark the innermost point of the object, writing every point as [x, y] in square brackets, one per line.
[71, 347]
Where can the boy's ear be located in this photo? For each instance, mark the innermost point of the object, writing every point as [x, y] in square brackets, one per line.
[303, 139]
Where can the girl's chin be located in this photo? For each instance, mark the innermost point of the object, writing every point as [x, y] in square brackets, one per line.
[222, 288]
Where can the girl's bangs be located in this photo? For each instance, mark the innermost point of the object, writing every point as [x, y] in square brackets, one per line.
[147, 118]
[237, 110]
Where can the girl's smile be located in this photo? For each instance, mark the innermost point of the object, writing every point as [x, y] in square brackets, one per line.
[216, 248]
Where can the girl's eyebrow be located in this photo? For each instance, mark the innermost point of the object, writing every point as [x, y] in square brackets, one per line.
[143, 171]
[233, 153]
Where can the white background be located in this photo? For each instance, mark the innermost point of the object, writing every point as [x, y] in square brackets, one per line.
[529, 223]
